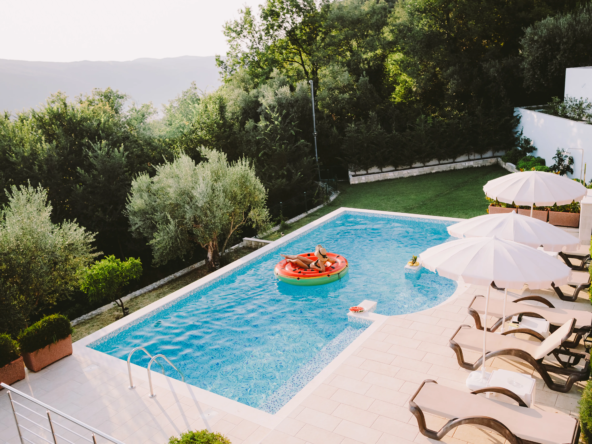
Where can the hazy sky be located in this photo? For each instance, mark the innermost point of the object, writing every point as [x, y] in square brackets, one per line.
[116, 30]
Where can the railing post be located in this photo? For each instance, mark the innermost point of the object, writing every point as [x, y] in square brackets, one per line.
[51, 427]
[18, 427]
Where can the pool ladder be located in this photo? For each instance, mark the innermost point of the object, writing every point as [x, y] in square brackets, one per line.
[152, 359]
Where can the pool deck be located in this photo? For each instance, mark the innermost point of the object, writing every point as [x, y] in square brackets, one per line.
[361, 397]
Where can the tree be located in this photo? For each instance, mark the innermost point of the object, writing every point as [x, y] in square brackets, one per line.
[554, 44]
[40, 262]
[186, 204]
[105, 280]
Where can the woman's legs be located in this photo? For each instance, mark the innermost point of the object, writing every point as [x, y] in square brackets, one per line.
[300, 263]
[294, 257]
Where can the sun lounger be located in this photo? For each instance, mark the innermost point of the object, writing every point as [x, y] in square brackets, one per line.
[584, 259]
[516, 423]
[533, 353]
[580, 280]
[517, 307]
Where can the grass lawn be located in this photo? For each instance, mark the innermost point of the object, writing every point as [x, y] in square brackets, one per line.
[456, 193]
[452, 193]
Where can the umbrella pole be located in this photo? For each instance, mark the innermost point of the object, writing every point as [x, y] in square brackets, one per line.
[504, 311]
[531, 209]
[485, 331]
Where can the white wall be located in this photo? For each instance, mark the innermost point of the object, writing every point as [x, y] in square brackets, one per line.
[550, 132]
[578, 82]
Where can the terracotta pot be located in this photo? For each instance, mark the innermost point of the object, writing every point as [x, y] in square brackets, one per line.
[498, 210]
[537, 214]
[15, 371]
[41, 358]
[564, 219]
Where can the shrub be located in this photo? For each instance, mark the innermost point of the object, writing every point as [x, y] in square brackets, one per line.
[529, 162]
[48, 330]
[563, 163]
[586, 413]
[9, 350]
[571, 108]
[523, 148]
[201, 437]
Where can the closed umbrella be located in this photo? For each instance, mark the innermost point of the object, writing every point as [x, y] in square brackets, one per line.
[517, 228]
[534, 188]
[494, 261]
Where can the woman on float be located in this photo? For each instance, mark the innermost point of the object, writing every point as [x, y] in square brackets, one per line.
[309, 264]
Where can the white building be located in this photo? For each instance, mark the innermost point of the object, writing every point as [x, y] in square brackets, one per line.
[550, 132]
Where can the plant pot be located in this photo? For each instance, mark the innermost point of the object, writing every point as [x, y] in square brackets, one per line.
[499, 210]
[564, 219]
[537, 214]
[45, 356]
[15, 371]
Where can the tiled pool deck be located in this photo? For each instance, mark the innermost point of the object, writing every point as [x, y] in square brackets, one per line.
[362, 400]
[361, 397]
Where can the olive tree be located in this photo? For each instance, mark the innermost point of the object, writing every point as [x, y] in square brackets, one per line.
[40, 262]
[186, 204]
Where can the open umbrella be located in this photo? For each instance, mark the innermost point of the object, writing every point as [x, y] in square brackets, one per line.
[494, 261]
[517, 228]
[535, 188]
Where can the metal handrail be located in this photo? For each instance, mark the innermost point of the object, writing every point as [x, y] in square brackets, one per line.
[129, 367]
[152, 395]
[57, 412]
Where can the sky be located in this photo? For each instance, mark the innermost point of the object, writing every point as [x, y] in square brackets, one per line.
[114, 30]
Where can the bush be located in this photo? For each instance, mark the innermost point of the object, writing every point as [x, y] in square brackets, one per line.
[571, 108]
[563, 163]
[201, 437]
[523, 148]
[9, 350]
[48, 330]
[529, 162]
[586, 413]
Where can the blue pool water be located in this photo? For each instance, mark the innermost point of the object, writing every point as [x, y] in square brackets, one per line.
[254, 339]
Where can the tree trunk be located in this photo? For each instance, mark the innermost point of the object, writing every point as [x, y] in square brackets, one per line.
[213, 258]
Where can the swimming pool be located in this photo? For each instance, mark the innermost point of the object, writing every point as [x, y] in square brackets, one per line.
[259, 341]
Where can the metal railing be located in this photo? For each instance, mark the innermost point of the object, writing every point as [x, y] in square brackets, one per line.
[152, 359]
[51, 431]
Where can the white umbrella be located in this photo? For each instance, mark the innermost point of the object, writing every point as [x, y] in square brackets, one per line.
[517, 228]
[491, 260]
[535, 188]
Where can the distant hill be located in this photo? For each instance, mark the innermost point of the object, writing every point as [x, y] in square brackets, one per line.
[28, 84]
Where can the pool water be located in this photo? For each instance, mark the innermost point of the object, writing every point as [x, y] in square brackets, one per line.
[257, 340]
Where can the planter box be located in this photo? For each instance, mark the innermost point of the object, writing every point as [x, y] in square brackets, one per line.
[564, 219]
[41, 358]
[498, 210]
[537, 214]
[15, 371]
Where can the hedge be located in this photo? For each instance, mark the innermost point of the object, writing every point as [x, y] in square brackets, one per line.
[9, 350]
[586, 413]
[48, 330]
[200, 437]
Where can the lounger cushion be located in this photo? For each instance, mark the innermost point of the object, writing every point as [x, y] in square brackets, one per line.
[529, 424]
[578, 278]
[472, 339]
[555, 316]
[554, 340]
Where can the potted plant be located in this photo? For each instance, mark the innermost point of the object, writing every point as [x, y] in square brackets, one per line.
[46, 342]
[413, 262]
[565, 215]
[540, 213]
[12, 368]
[199, 437]
[496, 207]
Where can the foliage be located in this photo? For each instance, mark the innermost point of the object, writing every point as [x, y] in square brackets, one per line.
[527, 163]
[573, 207]
[48, 330]
[186, 204]
[586, 412]
[571, 108]
[9, 350]
[199, 437]
[39, 261]
[563, 163]
[105, 280]
[554, 44]
[523, 148]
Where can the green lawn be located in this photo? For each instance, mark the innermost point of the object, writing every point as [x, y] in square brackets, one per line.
[456, 193]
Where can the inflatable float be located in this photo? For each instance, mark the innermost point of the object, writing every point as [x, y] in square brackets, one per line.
[292, 274]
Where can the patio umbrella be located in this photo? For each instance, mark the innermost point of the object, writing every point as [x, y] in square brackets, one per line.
[517, 228]
[494, 261]
[534, 188]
